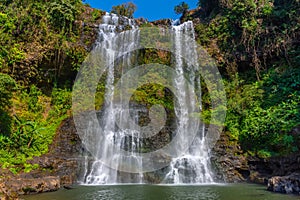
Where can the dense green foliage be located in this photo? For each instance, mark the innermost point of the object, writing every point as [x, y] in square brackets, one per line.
[262, 113]
[209, 5]
[7, 85]
[41, 49]
[252, 31]
[35, 119]
[256, 46]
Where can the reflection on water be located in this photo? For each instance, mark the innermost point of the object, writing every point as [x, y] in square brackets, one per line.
[164, 192]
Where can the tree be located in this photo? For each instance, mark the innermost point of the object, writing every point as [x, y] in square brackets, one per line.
[181, 8]
[125, 9]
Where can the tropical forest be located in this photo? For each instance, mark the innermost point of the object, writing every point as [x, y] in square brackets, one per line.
[67, 125]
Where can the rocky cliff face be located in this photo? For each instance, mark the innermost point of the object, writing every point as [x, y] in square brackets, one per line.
[228, 162]
[281, 174]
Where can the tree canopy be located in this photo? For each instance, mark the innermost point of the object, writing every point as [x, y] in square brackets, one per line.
[181, 8]
[125, 9]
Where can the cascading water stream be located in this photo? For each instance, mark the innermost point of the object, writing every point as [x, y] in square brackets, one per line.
[110, 48]
[193, 166]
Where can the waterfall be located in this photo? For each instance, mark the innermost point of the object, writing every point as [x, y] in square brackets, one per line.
[192, 166]
[111, 48]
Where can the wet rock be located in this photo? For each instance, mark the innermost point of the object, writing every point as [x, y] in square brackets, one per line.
[228, 162]
[286, 184]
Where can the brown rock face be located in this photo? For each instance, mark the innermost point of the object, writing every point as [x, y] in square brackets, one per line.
[162, 23]
[282, 174]
[228, 162]
[28, 186]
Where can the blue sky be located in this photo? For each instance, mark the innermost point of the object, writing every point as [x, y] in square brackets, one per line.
[150, 9]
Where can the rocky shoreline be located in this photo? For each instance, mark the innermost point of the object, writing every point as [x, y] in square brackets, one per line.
[279, 174]
[60, 167]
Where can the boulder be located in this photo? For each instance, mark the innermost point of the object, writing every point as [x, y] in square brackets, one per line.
[11, 188]
[285, 184]
[28, 186]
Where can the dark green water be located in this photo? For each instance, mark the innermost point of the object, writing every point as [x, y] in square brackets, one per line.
[161, 192]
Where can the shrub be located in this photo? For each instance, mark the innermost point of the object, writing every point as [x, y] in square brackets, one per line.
[181, 8]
